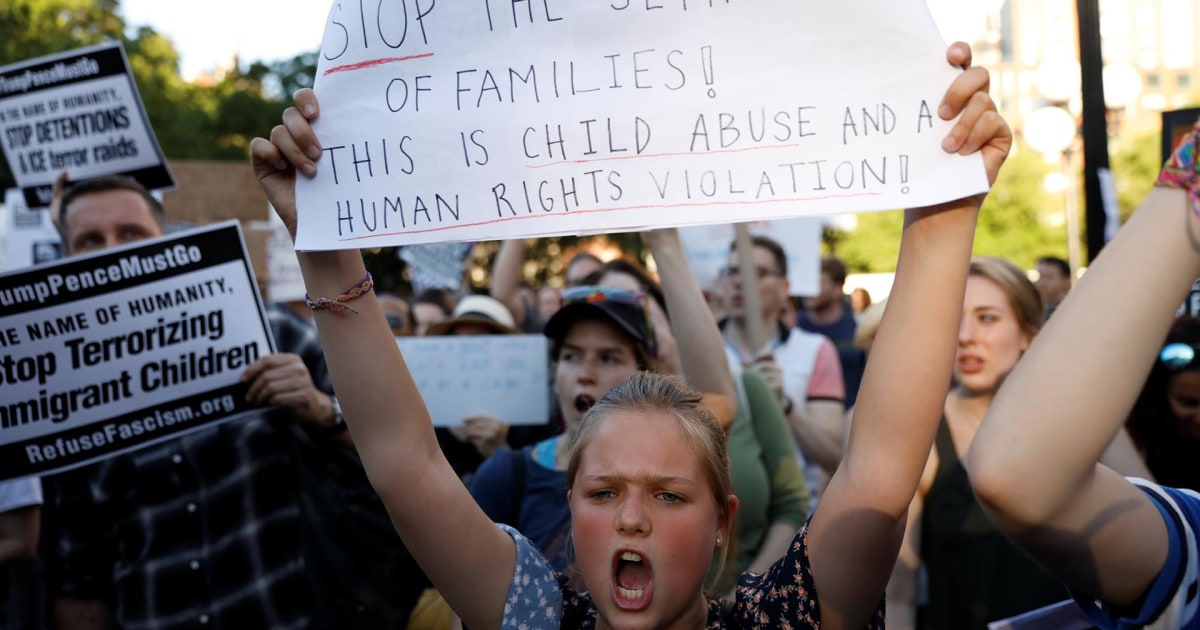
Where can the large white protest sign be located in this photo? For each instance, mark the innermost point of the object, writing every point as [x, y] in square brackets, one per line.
[486, 120]
[708, 250]
[79, 112]
[502, 376]
[105, 353]
[30, 236]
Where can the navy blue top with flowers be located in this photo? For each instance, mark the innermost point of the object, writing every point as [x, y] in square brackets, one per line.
[783, 597]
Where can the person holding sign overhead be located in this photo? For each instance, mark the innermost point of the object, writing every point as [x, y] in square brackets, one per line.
[648, 478]
[213, 527]
[603, 334]
[772, 494]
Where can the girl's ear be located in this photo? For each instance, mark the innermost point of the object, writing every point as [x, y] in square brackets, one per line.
[730, 518]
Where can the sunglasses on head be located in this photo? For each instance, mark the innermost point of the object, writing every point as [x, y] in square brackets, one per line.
[1177, 356]
[592, 294]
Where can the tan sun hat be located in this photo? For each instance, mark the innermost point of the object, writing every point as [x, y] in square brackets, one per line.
[477, 309]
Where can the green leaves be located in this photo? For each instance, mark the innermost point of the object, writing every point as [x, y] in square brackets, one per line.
[213, 120]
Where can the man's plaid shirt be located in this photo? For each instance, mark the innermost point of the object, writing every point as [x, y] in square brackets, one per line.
[198, 532]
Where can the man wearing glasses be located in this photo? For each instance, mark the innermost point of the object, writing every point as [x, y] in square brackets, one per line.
[801, 367]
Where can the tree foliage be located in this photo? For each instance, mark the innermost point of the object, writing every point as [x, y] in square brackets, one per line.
[191, 121]
[1135, 166]
[1020, 221]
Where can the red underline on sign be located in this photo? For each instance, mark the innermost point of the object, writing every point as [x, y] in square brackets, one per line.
[371, 63]
[652, 206]
[660, 155]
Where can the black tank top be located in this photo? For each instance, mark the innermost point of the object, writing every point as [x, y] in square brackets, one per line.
[975, 574]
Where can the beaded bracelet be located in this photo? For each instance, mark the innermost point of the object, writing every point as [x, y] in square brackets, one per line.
[338, 304]
[1182, 169]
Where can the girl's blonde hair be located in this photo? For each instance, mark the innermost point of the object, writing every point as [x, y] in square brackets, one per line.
[1022, 295]
[649, 392]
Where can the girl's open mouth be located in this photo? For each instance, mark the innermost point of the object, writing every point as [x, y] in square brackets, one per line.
[632, 581]
[583, 402]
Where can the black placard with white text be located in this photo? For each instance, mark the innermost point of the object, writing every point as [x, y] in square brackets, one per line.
[78, 112]
[105, 353]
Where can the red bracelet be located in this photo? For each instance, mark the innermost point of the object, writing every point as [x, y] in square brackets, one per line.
[338, 304]
[1182, 170]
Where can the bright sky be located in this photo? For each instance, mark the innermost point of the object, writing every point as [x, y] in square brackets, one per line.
[207, 33]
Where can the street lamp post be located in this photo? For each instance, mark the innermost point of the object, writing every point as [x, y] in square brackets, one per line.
[1095, 126]
[1051, 131]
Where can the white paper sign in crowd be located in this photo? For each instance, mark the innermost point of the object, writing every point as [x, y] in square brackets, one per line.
[79, 112]
[284, 281]
[105, 353]
[502, 376]
[30, 236]
[482, 120]
[708, 250]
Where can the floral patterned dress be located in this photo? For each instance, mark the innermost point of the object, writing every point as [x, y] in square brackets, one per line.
[783, 597]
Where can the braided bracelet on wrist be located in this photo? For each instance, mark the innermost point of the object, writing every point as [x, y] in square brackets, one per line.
[338, 304]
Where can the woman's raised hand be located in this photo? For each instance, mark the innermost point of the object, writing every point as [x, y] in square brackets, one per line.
[293, 146]
[980, 127]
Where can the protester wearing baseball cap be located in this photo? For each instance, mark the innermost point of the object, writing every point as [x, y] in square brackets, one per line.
[628, 310]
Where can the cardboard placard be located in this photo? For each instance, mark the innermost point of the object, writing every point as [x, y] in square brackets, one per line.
[502, 376]
[30, 236]
[708, 250]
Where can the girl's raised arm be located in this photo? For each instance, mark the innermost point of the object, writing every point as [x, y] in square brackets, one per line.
[464, 554]
[855, 532]
[1034, 461]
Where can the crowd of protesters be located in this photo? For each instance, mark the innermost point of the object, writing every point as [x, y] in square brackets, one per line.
[701, 466]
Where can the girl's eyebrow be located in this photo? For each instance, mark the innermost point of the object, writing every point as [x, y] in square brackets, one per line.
[650, 480]
[613, 348]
